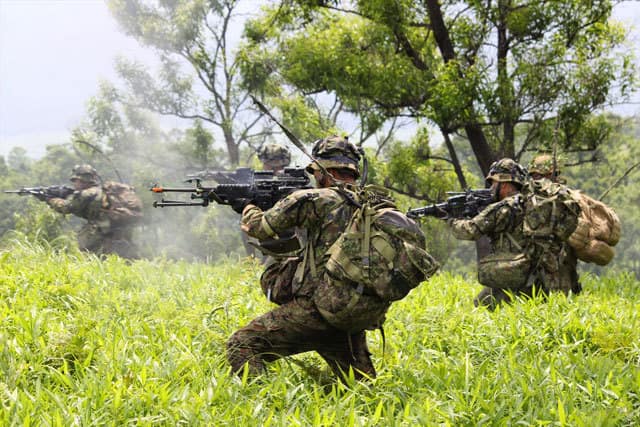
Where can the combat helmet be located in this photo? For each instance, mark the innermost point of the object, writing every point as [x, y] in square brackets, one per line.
[85, 173]
[336, 152]
[543, 164]
[275, 154]
[507, 170]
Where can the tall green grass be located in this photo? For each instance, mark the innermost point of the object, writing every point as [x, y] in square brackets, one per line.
[88, 342]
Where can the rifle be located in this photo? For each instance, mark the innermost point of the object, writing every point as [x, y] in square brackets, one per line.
[466, 204]
[44, 193]
[263, 188]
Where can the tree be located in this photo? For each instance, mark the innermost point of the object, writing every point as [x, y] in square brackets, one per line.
[504, 74]
[194, 34]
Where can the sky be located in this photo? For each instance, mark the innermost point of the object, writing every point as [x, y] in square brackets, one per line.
[53, 53]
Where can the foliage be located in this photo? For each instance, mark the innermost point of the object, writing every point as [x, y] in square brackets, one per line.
[504, 73]
[614, 159]
[91, 342]
[198, 75]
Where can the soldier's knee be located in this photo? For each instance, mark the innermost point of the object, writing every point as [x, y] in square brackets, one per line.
[240, 352]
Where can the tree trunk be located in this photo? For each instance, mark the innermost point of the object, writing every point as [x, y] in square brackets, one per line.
[477, 140]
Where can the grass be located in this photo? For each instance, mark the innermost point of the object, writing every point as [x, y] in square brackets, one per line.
[90, 342]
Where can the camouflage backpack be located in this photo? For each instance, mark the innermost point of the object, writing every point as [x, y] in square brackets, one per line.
[550, 210]
[378, 259]
[123, 206]
[381, 249]
[598, 231]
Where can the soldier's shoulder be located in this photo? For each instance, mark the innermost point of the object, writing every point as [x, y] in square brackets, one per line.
[89, 193]
[314, 194]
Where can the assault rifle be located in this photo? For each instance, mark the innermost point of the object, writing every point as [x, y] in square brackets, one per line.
[262, 188]
[466, 204]
[44, 193]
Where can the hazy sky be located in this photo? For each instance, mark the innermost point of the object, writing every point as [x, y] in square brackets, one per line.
[54, 52]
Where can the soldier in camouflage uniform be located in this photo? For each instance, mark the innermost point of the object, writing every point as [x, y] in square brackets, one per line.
[503, 222]
[274, 157]
[89, 201]
[544, 167]
[297, 326]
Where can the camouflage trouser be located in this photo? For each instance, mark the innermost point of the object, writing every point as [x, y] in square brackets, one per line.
[117, 241]
[297, 327]
[493, 297]
[569, 272]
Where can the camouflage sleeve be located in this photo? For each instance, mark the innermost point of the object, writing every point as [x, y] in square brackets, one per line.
[496, 218]
[82, 203]
[297, 209]
[60, 205]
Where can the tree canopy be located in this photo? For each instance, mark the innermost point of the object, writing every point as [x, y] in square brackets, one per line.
[505, 75]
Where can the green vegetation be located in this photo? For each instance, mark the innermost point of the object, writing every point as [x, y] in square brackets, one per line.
[86, 342]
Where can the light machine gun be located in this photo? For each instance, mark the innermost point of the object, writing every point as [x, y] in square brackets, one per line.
[262, 188]
[465, 204]
[44, 193]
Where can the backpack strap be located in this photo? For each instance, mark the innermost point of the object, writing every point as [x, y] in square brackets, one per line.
[368, 212]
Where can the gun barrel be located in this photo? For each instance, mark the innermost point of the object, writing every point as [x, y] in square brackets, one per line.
[167, 203]
[172, 190]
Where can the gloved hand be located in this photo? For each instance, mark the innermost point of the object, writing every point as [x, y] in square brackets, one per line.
[239, 204]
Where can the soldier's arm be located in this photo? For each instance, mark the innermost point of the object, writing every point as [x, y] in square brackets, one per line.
[78, 203]
[491, 220]
[62, 206]
[294, 210]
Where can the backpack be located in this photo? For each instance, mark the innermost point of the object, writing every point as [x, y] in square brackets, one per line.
[378, 259]
[381, 248]
[123, 206]
[597, 232]
[550, 211]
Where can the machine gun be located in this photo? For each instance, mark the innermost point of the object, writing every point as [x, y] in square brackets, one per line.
[465, 204]
[44, 193]
[242, 175]
[262, 188]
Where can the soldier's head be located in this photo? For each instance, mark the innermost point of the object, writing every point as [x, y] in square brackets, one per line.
[274, 157]
[506, 177]
[339, 157]
[542, 166]
[84, 176]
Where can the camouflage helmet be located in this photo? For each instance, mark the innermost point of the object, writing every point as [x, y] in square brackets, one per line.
[275, 154]
[85, 173]
[543, 164]
[335, 152]
[507, 170]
